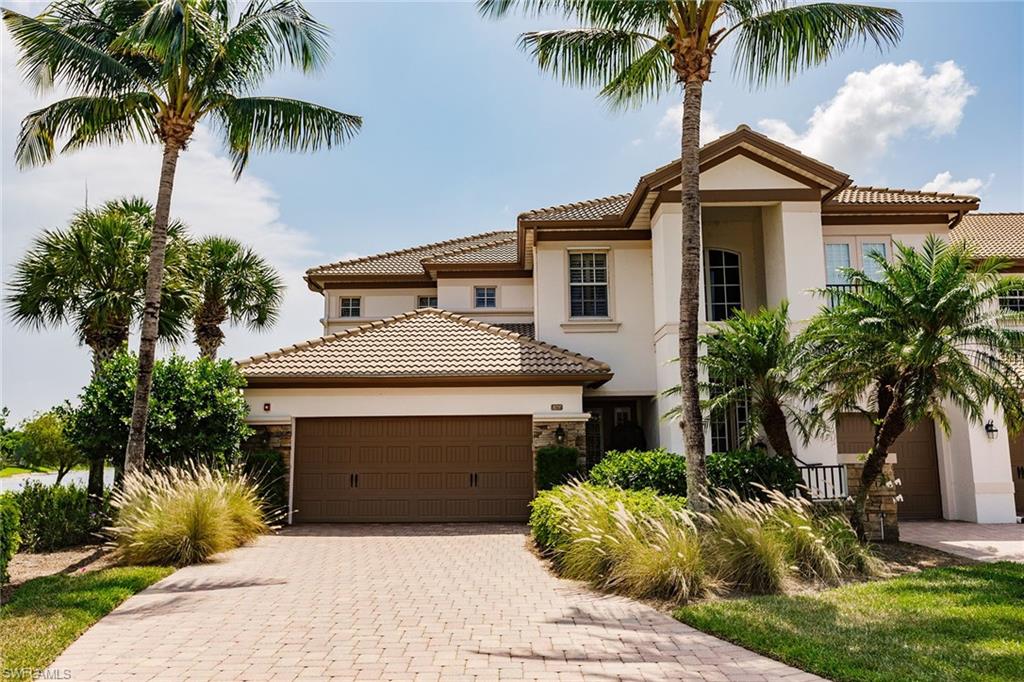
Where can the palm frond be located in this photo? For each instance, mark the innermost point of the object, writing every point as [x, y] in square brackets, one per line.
[778, 44]
[276, 123]
[595, 57]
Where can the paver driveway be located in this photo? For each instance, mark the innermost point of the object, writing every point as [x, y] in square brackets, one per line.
[381, 602]
[981, 541]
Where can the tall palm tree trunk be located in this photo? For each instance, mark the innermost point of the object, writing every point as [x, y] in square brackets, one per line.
[135, 455]
[891, 424]
[689, 300]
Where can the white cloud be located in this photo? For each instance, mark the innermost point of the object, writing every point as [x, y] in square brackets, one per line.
[944, 182]
[873, 109]
[671, 124]
[41, 368]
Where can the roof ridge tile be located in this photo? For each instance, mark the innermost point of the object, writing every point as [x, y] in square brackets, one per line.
[408, 250]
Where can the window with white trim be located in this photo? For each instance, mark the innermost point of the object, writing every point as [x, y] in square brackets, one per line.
[426, 301]
[854, 252]
[724, 287]
[727, 425]
[588, 284]
[350, 307]
[1012, 301]
[485, 297]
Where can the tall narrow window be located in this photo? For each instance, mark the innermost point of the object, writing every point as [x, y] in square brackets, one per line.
[588, 284]
[870, 266]
[725, 291]
[350, 307]
[837, 257]
[485, 297]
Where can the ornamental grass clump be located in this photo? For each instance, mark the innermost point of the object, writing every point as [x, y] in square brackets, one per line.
[746, 551]
[806, 546]
[182, 516]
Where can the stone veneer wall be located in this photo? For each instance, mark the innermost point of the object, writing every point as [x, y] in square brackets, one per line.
[271, 437]
[575, 437]
[882, 509]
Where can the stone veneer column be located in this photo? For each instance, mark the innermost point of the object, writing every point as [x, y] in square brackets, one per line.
[882, 507]
[271, 437]
[575, 437]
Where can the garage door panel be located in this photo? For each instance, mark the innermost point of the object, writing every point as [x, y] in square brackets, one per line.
[916, 463]
[413, 469]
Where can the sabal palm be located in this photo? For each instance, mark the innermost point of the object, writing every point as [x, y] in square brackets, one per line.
[92, 275]
[752, 357]
[152, 70]
[638, 51]
[926, 334]
[231, 282]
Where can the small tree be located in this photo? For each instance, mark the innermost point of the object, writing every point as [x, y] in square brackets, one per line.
[10, 437]
[929, 332]
[753, 358]
[44, 443]
[197, 412]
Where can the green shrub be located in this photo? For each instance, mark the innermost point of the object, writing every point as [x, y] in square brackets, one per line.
[658, 470]
[749, 472]
[57, 516]
[184, 516]
[197, 412]
[556, 464]
[268, 471]
[10, 537]
[548, 509]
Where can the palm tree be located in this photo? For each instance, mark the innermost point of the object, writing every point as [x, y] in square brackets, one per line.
[231, 282]
[92, 275]
[637, 51]
[927, 333]
[752, 358]
[152, 70]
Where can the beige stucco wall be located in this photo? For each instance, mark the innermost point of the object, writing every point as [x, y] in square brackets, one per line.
[739, 172]
[376, 304]
[738, 229]
[624, 339]
[287, 403]
[514, 298]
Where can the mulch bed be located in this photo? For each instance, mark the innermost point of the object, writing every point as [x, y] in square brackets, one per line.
[26, 566]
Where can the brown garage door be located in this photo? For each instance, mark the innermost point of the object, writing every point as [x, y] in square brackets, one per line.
[917, 464]
[413, 469]
[1017, 470]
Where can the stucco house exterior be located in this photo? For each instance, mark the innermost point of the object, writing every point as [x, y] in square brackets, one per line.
[443, 367]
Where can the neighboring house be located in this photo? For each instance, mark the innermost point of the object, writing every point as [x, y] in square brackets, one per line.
[443, 367]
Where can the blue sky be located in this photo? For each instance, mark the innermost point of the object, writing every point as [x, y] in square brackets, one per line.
[462, 132]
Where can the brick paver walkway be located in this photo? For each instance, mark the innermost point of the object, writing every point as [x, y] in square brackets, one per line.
[377, 602]
[981, 541]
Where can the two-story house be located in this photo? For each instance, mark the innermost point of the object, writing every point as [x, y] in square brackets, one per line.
[443, 367]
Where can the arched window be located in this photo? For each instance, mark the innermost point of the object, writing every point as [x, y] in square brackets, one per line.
[724, 288]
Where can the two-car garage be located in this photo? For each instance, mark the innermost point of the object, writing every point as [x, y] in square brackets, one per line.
[451, 468]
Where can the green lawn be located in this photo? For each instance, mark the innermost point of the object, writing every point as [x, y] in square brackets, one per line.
[959, 623]
[45, 615]
[14, 471]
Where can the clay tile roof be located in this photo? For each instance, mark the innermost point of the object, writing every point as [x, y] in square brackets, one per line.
[502, 251]
[407, 261]
[424, 343]
[886, 195]
[993, 234]
[591, 209]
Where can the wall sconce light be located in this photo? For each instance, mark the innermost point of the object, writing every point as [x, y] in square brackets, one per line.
[990, 429]
[266, 407]
[560, 435]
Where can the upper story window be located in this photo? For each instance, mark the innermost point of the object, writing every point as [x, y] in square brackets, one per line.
[727, 425]
[853, 252]
[1012, 301]
[426, 301]
[485, 297]
[588, 284]
[350, 307]
[725, 291]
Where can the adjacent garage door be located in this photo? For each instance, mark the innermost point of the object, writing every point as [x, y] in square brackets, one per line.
[1017, 470]
[360, 469]
[917, 464]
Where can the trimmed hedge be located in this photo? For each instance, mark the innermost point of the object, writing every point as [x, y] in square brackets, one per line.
[10, 537]
[658, 470]
[742, 471]
[546, 513]
[556, 464]
[57, 516]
